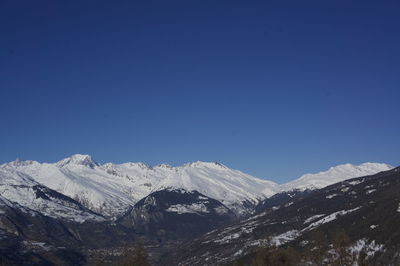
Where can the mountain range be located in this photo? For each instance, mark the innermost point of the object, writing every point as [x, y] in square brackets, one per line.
[366, 208]
[110, 189]
[76, 209]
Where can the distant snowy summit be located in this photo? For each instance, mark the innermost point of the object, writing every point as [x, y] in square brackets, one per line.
[78, 159]
[334, 175]
[110, 189]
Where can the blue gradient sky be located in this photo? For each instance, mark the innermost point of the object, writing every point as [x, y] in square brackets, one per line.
[273, 88]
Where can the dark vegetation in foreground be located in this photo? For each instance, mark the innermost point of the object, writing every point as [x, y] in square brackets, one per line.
[319, 252]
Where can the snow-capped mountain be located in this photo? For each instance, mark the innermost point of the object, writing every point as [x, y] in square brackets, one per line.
[232, 187]
[366, 208]
[57, 204]
[81, 179]
[21, 191]
[335, 174]
[110, 189]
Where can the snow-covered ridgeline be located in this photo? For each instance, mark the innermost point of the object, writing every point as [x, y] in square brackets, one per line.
[334, 175]
[111, 188]
[19, 191]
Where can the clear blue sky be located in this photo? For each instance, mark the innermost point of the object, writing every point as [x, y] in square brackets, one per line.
[273, 88]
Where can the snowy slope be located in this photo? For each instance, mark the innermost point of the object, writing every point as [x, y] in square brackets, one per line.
[21, 190]
[217, 181]
[80, 178]
[335, 174]
[111, 188]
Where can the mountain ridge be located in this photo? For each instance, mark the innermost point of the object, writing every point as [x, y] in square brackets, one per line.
[101, 206]
[110, 188]
[365, 209]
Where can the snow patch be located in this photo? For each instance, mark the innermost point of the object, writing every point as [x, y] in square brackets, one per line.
[370, 191]
[193, 208]
[288, 204]
[285, 237]
[355, 182]
[221, 210]
[40, 245]
[370, 248]
[238, 253]
[331, 196]
[345, 189]
[313, 218]
[228, 238]
[329, 218]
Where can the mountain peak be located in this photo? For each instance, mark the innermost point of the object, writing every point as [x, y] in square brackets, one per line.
[164, 165]
[205, 164]
[361, 167]
[369, 164]
[336, 174]
[78, 159]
